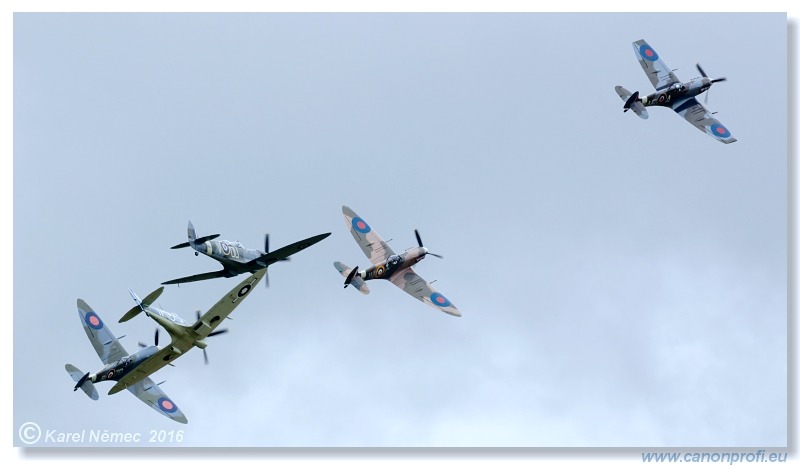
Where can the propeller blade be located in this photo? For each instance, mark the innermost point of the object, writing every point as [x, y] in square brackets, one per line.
[702, 72]
[197, 311]
[205, 356]
[266, 279]
[142, 345]
[717, 80]
[155, 342]
[419, 240]
[435, 255]
[266, 242]
[221, 331]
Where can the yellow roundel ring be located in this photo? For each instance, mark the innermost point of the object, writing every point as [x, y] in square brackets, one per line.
[379, 271]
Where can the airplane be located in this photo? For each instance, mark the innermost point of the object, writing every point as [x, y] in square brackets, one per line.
[132, 371]
[671, 93]
[118, 363]
[390, 266]
[235, 258]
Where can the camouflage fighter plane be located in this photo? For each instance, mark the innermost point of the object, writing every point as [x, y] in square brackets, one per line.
[132, 371]
[235, 258]
[671, 93]
[390, 266]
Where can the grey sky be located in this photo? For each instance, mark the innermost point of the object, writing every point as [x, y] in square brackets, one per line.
[623, 282]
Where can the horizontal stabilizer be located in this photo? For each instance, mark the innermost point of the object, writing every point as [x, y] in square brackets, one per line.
[203, 239]
[141, 304]
[632, 102]
[356, 281]
[196, 241]
[195, 278]
[639, 109]
[86, 386]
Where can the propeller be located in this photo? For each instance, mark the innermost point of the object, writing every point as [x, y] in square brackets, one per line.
[266, 250]
[212, 334]
[419, 241]
[705, 75]
[155, 340]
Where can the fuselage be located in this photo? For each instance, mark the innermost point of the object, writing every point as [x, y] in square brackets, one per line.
[183, 334]
[667, 96]
[231, 254]
[118, 369]
[393, 264]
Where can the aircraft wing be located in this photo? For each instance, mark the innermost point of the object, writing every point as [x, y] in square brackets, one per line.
[374, 247]
[659, 74]
[214, 316]
[280, 254]
[417, 287]
[195, 278]
[159, 360]
[105, 344]
[698, 116]
[148, 392]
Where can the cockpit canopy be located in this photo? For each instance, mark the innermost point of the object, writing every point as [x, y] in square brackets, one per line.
[678, 87]
[394, 259]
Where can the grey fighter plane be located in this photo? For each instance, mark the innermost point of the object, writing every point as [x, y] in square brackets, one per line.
[235, 258]
[390, 266]
[671, 93]
[132, 371]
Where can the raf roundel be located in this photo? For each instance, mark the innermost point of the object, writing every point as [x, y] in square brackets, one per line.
[360, 225]
[439, 300]
[167, 405]
[648, 53]
[719, 130]
[93, 320]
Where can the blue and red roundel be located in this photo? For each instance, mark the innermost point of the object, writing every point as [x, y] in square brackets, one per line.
[360, 225]
[439, 300]
[648, 53]
[167, 405]
[93, 320]
[720, 131]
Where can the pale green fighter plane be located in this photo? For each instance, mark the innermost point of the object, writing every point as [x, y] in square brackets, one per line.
[132, 371]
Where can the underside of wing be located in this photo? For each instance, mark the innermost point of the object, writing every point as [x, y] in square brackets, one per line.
[105, 344]
[214, 316]
[417, 287]
[195, 278]
[659, 74]
[161, 359]
[283, 253]
[697, 115]
[374, 247]
[148, 392]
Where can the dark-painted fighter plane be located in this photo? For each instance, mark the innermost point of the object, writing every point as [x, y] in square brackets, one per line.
[132, 371]
[671, 93]
[235, 258]
[390, 266]
[118, 364]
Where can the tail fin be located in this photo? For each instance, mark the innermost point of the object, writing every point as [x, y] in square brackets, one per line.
[141, 304]
[190, 232]
[632, 101]
[191, 235]
[355, 281]
[82, 381]
[193, 239]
